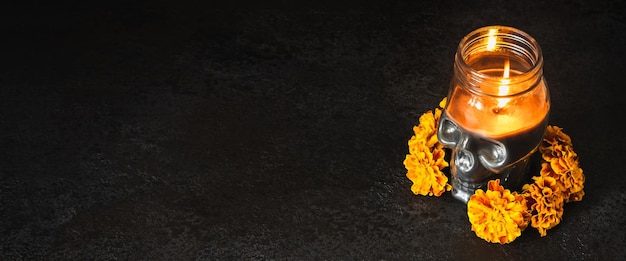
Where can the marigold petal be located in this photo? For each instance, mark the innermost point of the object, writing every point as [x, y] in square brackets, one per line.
[442, 103]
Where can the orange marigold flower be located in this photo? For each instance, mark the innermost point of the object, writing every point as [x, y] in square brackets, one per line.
[562, 164]
[497, 215]
[546, 203]
[570, 183]
[427, 181]
[424, 169]
[571, 179]
[425, 160]
[567, 159]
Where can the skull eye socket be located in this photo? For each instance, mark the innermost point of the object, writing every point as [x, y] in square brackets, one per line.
[449, 133]
[492, 154]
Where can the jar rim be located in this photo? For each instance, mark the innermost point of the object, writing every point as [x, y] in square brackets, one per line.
[514, 42]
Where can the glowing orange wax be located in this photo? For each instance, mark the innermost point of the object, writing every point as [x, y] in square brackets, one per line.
[497, 125]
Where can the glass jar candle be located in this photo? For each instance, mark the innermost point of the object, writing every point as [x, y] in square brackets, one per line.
[497, 109]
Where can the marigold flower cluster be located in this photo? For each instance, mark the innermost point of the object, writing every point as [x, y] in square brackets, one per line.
[425, 160]
[560, 180]
[562, 164]
[499, 215]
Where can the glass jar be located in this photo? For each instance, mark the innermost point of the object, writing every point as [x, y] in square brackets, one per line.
[497, 109]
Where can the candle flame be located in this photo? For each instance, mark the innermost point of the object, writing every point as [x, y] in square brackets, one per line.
[507, 68]
[504, 88]
[491, 40]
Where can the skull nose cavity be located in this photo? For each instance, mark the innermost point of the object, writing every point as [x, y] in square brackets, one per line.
[464, 160]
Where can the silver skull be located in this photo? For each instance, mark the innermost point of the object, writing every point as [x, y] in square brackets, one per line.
[477, 159]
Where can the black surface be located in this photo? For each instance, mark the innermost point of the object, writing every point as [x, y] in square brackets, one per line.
[157, 130]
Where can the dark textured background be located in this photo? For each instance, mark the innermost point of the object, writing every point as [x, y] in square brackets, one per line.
[157, 130]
